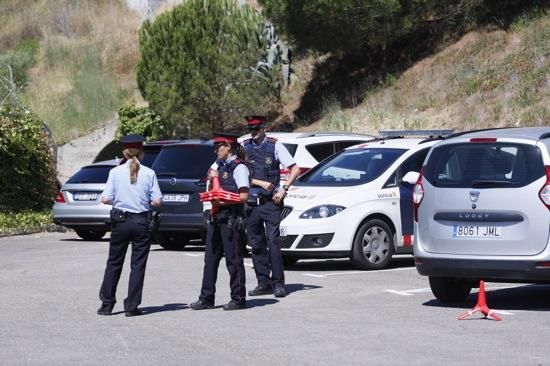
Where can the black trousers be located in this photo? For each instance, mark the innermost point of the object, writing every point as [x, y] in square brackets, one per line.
[222, 236]
[134, 230]
[266, 249]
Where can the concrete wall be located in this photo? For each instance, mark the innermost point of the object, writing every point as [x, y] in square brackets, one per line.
[82, 151]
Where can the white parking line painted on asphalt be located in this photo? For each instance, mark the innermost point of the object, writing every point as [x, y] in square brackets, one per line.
[408, 292]
[356, 272]
[194, 254]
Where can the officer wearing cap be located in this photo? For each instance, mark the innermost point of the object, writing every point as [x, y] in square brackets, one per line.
[265, 203]
[133, 190]
[223, 228]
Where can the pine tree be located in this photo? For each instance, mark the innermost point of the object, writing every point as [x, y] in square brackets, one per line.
[196, 67]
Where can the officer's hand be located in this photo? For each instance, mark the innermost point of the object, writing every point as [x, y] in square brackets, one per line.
[268, 186]
[279, 196]
[212, 173]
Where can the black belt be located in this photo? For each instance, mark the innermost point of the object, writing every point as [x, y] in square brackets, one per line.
[258, 200]
[144, 213]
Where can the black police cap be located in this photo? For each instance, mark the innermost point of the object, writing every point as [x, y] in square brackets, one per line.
[132, 141]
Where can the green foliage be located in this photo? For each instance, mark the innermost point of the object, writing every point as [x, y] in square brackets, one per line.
[361, 25]
[27, 172]
[141, 121]
[196, 66]
[23, 222]
[14, 65]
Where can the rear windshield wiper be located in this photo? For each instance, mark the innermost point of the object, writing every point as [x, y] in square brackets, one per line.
[169, 174]
[489, 182]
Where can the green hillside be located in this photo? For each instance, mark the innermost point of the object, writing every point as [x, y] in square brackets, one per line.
[73, 63]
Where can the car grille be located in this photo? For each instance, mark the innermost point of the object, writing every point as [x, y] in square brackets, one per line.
[285, 212]
[315, 241]
[286, 241]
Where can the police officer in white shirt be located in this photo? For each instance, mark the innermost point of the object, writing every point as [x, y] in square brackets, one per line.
[133, 191]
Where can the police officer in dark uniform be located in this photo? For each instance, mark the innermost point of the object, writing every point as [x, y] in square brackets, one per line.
[264, 154]
[224, 227]
[133, 190]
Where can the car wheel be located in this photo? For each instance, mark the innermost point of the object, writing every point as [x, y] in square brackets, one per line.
[172, 241]
[450, 289]
[289, 261]
[90, 234]
[373, 246]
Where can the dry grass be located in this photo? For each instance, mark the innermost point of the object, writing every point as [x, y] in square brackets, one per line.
[487, 79]
[86, 63]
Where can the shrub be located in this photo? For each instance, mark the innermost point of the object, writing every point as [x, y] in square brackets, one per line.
[196, 67]
[27, 172]
[23, 222]
[139, 120]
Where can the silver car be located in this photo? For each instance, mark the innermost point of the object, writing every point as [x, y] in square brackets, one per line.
[78, 204]
[482, 211]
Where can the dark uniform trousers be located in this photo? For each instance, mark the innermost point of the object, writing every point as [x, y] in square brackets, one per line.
[223, 237]
[134, 229]
[266, 248]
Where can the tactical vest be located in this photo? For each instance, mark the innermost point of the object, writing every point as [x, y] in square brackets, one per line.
[262, 164]
[227, 183]
[225, 173]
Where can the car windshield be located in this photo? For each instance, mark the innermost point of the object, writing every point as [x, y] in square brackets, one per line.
[91, 174]
[484, 165]
[184, 161]
[351, 167]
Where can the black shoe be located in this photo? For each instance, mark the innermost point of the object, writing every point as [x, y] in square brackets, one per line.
[279, 291]
[234, 305]
[201, 305]
[135, 312]
[105, 309]
[259, 291]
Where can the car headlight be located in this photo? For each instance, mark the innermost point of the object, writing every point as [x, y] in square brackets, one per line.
[321, 212]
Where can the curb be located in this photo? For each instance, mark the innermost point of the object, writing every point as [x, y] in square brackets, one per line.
[50, 228]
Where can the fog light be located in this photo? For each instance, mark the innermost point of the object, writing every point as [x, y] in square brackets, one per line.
[317, 242]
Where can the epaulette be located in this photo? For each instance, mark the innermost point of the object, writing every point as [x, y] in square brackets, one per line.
[271, 139]
[247, 141]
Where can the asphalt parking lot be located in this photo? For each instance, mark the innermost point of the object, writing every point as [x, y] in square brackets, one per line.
[333, 314]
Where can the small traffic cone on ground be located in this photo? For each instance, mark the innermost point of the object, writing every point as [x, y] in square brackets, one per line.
[481, 306]
[216, 193]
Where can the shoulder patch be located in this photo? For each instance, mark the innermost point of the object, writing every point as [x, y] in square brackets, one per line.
[247, 141]
[271, 139]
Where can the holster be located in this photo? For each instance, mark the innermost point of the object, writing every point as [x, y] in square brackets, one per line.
[117, 215]
[154, 218]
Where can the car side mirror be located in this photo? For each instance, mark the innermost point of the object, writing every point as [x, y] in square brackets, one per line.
[410, 178]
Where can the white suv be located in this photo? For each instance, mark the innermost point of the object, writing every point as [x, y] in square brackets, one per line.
[482, 211]
[309, 148]
[356, 204]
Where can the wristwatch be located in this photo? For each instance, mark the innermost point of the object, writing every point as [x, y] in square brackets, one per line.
[285, 187]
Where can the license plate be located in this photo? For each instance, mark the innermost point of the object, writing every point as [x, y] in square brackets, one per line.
[470, 231]
[175, 198]
[85, 196]
[282, 231]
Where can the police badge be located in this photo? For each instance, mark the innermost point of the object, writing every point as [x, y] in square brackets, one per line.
[225, 175]
[268, 160]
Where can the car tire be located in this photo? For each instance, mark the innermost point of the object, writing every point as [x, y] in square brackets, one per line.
[373, 246]
[450, 290]
[289, 261]
[90, 235]
[171, 240]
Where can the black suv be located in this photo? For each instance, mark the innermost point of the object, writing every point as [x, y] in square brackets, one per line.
[181, 170]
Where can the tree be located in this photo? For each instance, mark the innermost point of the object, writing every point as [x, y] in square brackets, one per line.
[362, 25]
[197, 63]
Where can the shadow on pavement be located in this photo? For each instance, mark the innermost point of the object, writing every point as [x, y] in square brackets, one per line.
[166, 307]
[528, 297]
[257, 302]
[344, 264]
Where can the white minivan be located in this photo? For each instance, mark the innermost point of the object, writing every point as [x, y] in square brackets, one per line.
[482, 211]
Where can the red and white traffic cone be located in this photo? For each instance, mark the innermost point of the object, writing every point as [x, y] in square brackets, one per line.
[481, 306]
